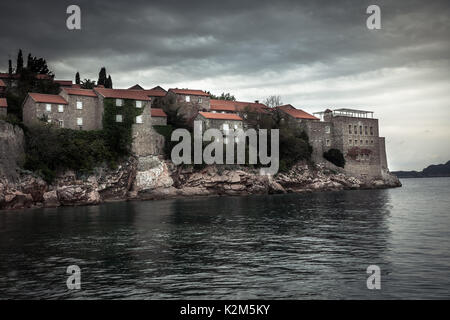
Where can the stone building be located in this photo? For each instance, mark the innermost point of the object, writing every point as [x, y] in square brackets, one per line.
[222, 121]
[188, 102]
[83, 110]
[45, 107]
[253, 114]
[356, 134]
[3, 107]
[159, 117]
[293, 117]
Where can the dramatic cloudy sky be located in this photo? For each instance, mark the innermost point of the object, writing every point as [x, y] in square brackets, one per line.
[315, 54]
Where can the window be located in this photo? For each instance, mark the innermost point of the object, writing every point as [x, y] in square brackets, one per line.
[139, 104]
[360, 129]
[361, 143]
[48, 107]
[119, 102]
[61, 123]
[139, 119]
[365, 130]
[350, 129]
[327, 129]
[225, 140]
[119, 118]
[371, 131]
[188, 99]
[214, 111]
[356, 142]
[80, 121]
[79, 105]
[350, 141]
[367, 142]
[225, 127]
[235, 126]
[236, 139]
[200, 100]
[60, 108]
[328, 142]
[371, 141]
[355, 129]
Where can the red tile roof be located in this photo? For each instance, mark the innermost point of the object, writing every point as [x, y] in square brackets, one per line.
[159, 88]
[189, 92]
[5, 75]
[2, 84]
[155, 93]
[47, 98]
[123, 94]
[136, 87]
[67, 83]
[44, 76]
[156, 112]
[220, 116]
[80, 92]
[296, 113]
[76, 86]
[3, 103]
[238, 106]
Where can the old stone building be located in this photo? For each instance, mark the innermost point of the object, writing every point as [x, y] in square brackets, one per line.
[3, 107]
[355, 133]
[83, 110]
[45, 107]
[254, 114]
[290, 116]
[188, 102]
[2, 88]
[159, 117]
[222, 121]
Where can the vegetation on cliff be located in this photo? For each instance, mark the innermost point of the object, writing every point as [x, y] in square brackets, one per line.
[335, 156]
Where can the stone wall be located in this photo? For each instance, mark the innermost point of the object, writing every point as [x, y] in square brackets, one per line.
[91, 113]
[188, 109]
[12, 152]
[159, 121]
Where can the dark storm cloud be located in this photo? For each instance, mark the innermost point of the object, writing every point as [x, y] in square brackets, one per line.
[233, 36]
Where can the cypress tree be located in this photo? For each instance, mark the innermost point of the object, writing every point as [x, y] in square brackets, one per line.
[102, 77]
[30, 62]
[10, 71]
[77, 78]
[19, 67]
[108, 82]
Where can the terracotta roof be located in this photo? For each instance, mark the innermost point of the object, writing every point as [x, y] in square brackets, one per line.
[238, 106]
[3, 103]
[76, 86]
[159, 88]
[123, 94]
[220, 116]
[155, 93]
[44, 76]
[47, 98]
[64, 82]
[5, 75]
[2, 84]
[80, 92]
[156, 112]
[296, 113]
[189, 92]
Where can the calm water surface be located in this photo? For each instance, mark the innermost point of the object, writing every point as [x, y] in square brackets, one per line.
[296, 246]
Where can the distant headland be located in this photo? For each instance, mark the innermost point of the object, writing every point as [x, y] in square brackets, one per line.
[432, 171]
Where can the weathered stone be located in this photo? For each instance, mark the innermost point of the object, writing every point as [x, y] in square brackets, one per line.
[51, 199]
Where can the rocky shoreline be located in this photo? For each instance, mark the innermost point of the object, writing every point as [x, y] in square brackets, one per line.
[151, 178]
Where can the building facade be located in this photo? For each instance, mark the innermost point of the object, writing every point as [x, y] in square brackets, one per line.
[188, 102]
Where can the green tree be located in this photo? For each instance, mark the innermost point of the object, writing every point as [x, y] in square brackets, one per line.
[102, 77]
[223, 96]
[19, 66]
[108, 83]
[77, 78]
[10, 69]
[87, 84]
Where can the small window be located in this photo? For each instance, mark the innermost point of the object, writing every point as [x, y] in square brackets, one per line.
[139, 119]
[236, 139]
[360, 142]
[350, 129]
[350, 141]
[138, 104]
[225, 140]
[235, 126]
[61, 123]
[188, 99]
[355, 129]
[118, 118]
[327, 129]
[367, 142]
[328, 142]
[60, 108]
[79, 105]
[225, 127]
[200, 100]
[365, 130]
[371, 141]
[119, 102]
[371, 131]
[357, 157]
[356, 142]
[80, 121]
[48, 107]
[360, 129]
[214, 111]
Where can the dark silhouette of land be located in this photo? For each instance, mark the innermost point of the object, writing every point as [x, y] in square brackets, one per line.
[434, 170]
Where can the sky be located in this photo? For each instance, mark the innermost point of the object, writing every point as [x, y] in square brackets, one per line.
[314, 54]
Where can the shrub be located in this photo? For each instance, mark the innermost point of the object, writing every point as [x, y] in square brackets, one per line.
[335, 156]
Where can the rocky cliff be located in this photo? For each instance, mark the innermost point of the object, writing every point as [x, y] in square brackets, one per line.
[151, 177]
